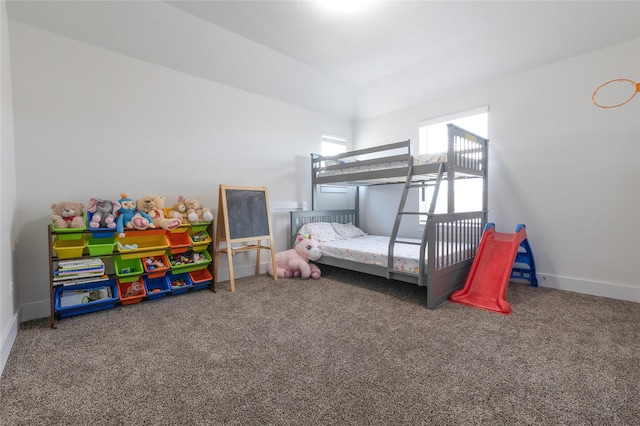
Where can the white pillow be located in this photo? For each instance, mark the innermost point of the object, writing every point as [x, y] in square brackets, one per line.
[347, 230]
[320, 231]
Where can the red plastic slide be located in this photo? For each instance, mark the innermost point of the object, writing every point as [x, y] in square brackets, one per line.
[488, 279]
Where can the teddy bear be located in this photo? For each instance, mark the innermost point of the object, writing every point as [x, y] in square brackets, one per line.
[103, 213]
[179, 210]
[153, 205]
[129, 217]
[295, 262]
[196, 213]
[67, 214]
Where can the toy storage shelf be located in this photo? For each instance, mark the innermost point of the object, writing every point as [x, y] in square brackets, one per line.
[123, 267]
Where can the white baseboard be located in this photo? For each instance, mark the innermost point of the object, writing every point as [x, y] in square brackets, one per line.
[242, 271]
[594, 288]
[8, 338]
[35, 310]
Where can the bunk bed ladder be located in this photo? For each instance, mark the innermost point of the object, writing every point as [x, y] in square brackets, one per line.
[393, 240]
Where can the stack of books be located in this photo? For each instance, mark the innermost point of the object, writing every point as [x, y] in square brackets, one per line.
[79, 271]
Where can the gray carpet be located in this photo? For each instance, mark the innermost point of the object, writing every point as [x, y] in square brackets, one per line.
[347, 349]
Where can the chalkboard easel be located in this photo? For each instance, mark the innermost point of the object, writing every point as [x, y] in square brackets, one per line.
[243, 218]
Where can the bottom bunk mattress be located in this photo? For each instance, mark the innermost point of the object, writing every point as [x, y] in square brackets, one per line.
[347, 242]
[374, 249]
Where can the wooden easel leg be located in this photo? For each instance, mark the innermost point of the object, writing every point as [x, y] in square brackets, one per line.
[231, 277]
[215, 266]
[273, 261]
[258, 258]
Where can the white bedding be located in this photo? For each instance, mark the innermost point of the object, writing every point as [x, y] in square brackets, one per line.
[417, 160]
[373, 250]
[348, 242]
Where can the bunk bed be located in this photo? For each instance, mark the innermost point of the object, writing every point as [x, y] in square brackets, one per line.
[441, 259]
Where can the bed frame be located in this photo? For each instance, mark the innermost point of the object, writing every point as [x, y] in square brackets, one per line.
[466, 157]
[458, 236]
[451, 238]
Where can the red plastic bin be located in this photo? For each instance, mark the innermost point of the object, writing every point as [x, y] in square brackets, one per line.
[201, 279]
[156, 266]
[129, 300]
[179, 242]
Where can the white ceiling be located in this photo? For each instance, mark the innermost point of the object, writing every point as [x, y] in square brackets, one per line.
[389, 36]
[388, 56]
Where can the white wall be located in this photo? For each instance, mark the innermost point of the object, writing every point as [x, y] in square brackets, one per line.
[91, 122]
[94, 123]
[162, 34]
[9, 308]
[568, 170]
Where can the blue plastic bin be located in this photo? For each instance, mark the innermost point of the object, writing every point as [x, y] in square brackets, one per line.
[99, 232]
[184, 277]
[86, 307]
[157, 287]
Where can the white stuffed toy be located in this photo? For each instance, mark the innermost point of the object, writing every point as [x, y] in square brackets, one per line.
[295, 262]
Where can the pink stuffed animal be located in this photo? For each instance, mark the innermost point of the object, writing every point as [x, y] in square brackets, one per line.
[295, 262]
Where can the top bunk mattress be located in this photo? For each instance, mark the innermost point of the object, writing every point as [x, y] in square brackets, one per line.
[466, 156]
[351, 167]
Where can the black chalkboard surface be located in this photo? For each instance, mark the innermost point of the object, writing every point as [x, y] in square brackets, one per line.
[243, 225]
[247, 213]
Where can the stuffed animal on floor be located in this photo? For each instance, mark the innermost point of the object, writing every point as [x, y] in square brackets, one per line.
[103, 213]
[153, 205]
[67, 214]
[130, 217]
[196, 213]
[295, 262]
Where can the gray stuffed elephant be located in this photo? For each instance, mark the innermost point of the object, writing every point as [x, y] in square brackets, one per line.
[103, 213]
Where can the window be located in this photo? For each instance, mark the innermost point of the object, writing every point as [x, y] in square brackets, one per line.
[433, 137]
[332, 144]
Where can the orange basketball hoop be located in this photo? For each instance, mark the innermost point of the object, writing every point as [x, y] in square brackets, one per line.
[615, 93]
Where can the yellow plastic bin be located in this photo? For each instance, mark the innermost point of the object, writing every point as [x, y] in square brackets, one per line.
[199, 240]
[178, 229]
[68, 249]
[142, 244]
